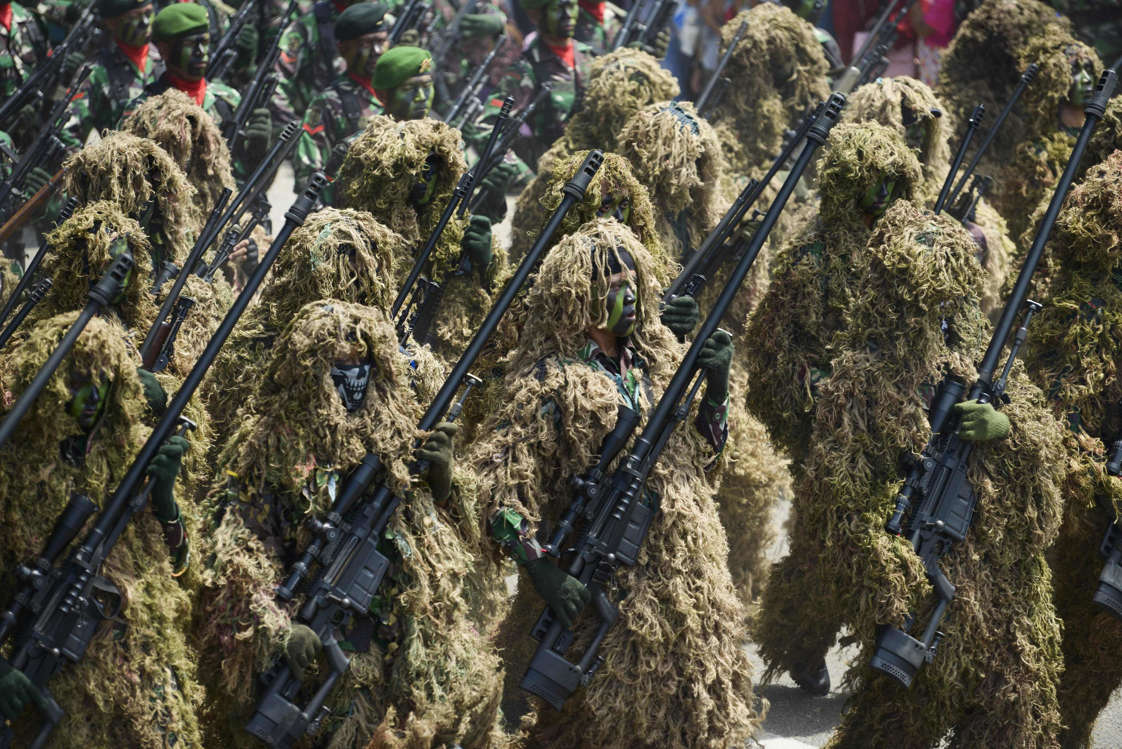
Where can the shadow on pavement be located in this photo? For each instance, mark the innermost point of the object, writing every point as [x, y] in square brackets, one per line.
[796, 714]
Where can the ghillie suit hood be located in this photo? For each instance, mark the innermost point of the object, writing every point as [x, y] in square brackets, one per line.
[192, 138]
[381, 169]
[8, 281]
[618, 85]
[79, 255]
[779, 71]
[1106, 139]
[136, 685]
[128, 171]
[674, 656]
[294, 436]
[791, 329]
[915, 316]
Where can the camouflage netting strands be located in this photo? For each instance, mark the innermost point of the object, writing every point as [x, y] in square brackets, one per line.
[1106, 139]
[809, 292]
[618, 85]
[428, 678]
[136, 685]
[778, 71]
[192, 138]
[337, 254]
[1073, 355]
[674, 674]
[129, 171]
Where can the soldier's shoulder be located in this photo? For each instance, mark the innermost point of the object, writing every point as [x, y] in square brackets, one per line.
[225, 92]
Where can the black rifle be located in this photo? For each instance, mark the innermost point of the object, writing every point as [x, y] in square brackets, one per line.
[56, 613]
[1108, 594]
[183, 305]
[510, 132]
[38, 291]
[655, 22]
[33, 266]
[219, 59]
[617, 513]
[707, 92]
[260, 91]
[964, 208]
[626, 31]
[475, 84]
[410, 14]
[345, 546]
[1026, 79]
[971, 127]
[41, 148]
[946, 501]
[879, 42]
[103, 292]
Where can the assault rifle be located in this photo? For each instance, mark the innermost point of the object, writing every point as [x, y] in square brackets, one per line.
[350, 567]
[58, 610]
[707, 93]
[623, 37]
[474, 85]
[34, 296]
[260, 91]
[1108, 593]
[409, 17]
[33, 266]
[937, 484]
[219, 59]
[615, 508]
[510, 132]
[971, 127]
[871, 56]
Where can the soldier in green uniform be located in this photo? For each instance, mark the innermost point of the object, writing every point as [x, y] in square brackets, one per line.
[340, 111]
[121, 70]
[598, 22]
[23, 46]
[811, 11]
[403, 82]
[478, 34]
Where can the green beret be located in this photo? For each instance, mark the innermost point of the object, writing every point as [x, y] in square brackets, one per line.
[359, 19]
[178, 19]
[475, 25]
[398, 65]
[114, 8]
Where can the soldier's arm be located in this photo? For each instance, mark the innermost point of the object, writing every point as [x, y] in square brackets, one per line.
[314, 145]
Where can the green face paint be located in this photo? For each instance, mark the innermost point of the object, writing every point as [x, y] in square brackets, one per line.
[559, 18]
[88, 399]
[1082, 83]
[616, 206]
[121, 245]
[621, 309]
[412, 100]
[190, 55]
[878, 197]
[363, 56]
[132, 28]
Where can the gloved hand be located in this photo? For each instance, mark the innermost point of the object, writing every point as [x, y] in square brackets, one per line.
[981, 422]
[163, 469]
[301, 648]
[409, 37]
[657, 47]
[16, 691]
[437, 450]
[499, 178]
[565, 594]
[258, 133]
[154, 392]
[36, 178]
[70, 65]
[474, 25]
[715, 358]
[477, 244]
[681, 315]
[246, 43]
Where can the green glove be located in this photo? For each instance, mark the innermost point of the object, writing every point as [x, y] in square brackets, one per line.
[409, 38]
[681, 315]
[301, 648]
[474, 25]
[501, 176]
[658, 46]
[36, 178]
[163, 469]
[477, 244]
[981, 422]
[258, 133]
[565, 594]
[154, 392]
[246, 44]
[716, 358]
[71, 64]
[16, 691]
[437, 450]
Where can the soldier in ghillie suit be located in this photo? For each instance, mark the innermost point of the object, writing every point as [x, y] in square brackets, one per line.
[618, 85]
[121, 70]
[192, 139]
[337, 385]
[1072, 354]
[338, 113]
[915, 318]
[674, 674]
[403, 173]
[136, 685]
[778, 72]
[811, 11]
[910, 108]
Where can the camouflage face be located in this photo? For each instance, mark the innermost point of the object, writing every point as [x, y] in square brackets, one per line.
[1082, 78]
[875, 201]
[132, 28]
[351, 378]
[917, 128]
[559, 18]
[622, 313]
[411, 100]
[615, 205]
[188, 55]
[361, 54]
[88, 396]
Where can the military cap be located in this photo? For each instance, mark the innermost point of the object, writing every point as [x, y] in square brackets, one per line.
[398, 65]
[359, 19]
[178, 19]
[114, 8]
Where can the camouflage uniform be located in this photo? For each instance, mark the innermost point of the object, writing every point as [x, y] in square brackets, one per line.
[308, 61]
[114, 82]
[332, 117]
[22, 47]
[596, 32]
[220, 101]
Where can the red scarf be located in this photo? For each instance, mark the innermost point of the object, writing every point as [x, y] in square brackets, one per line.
[137, 55]
[340, 5]
[568, 53]
[594, 9]
[365, 83]
[6, 16]
[195, 89]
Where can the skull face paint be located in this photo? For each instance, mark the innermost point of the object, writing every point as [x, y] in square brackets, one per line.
[423, 191]
[351, 380]
[412, 100]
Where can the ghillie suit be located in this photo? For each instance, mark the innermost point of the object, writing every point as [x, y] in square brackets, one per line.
[8, 281]
[1072, 354]
[789, 334]
[382, 169]
[678, 158]
[674, 674]
[778, 71]
[619, 84]
[136, 686]
[130, 171]
[907, 106]
[421, 674]
[192, 139]
[915, 316]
